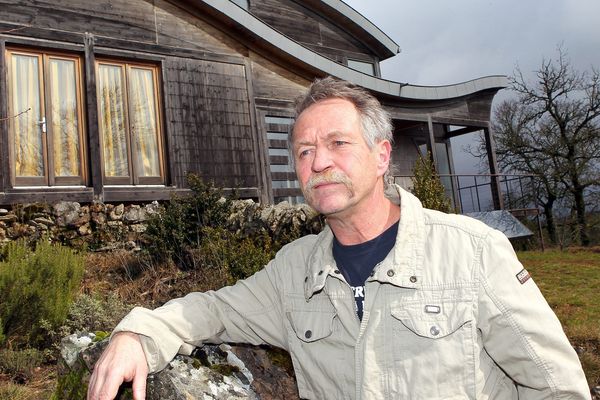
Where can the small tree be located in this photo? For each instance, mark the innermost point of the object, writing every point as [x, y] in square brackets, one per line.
[428, 187]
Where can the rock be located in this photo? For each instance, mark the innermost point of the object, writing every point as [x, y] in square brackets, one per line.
[116, 214]
[72, 345]
[84, 230]
[135, 214]
[215, 372]
[9, 218]
[65, 212]
[45, 221]
[138, 228]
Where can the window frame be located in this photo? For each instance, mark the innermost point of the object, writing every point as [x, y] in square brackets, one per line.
[48, 179]
[134, 178]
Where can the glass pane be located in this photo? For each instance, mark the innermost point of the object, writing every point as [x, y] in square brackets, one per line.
[112, 120]
[65, 124]
[25, 99]
[144, 126]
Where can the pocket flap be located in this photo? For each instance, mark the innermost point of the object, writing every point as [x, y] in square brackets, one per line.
[310, 326]
[435, 319]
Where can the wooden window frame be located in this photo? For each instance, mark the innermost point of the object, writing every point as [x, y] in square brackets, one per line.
[134, 178]
[49, 179]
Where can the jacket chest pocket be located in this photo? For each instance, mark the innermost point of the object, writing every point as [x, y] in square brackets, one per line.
[310, 326]
[313, 336]
[433, 345]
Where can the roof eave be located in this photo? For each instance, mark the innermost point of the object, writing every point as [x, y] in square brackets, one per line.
[288, 49]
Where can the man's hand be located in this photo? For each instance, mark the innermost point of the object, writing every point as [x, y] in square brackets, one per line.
[122, 361]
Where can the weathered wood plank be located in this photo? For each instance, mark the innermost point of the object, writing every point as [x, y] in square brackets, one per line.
[4, 123]
[210, 119]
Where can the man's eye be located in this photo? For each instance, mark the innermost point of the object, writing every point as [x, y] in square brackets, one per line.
[304, 153]
[339, 143]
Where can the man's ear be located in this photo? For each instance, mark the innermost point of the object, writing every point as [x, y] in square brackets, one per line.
[384, 155]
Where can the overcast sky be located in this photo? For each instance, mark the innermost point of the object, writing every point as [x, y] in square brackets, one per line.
[451, 41]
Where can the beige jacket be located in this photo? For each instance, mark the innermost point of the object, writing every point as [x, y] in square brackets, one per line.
[445, 317]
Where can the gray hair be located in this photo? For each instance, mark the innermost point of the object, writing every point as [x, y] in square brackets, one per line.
[376, 123]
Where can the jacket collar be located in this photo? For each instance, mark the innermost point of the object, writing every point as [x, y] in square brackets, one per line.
[402, 267]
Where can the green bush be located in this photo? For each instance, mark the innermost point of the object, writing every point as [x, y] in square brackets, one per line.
[239, 257]
[20, 364]
[178, 226]
[37, 285]
[428, 187]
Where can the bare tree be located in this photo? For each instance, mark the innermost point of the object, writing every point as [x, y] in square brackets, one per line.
[552, 129]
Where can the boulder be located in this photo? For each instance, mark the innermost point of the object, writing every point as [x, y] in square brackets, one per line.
[211, 372]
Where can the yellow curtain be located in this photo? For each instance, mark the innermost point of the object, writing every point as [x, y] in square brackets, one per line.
[143, 121]
[65, 124]
[112, 119]
[25, 94]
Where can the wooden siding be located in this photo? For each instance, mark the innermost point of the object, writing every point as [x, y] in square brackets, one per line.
[208, 118]
[272, 82]
[143, 23]
[310, 29]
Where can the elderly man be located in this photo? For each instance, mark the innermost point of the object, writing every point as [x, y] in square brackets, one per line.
[390, 301]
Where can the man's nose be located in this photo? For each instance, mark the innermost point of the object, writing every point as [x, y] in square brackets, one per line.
[322, 159]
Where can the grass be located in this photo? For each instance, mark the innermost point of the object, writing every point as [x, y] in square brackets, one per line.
[570, 281]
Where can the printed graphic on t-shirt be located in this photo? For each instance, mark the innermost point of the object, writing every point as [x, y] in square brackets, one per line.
[359, 297]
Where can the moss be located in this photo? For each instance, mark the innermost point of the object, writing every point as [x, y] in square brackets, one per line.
[225, 369]
[100, 336]
[71, 386]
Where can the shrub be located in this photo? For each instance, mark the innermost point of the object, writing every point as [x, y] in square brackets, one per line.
[37, 285]
[428, 187]
[91, 313]
[88, 313]
[178, 226]
[239, 257]
[20, 364]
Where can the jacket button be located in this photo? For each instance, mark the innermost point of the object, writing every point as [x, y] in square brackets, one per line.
[390, 273]
[434, 330]
[320, 272]
[305, 279]
[308, 334]
[413, 279]
[337, 271]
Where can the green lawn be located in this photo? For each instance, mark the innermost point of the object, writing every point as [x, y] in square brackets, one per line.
[570, 281]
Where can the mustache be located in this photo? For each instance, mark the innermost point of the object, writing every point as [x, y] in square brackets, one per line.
[328, 177]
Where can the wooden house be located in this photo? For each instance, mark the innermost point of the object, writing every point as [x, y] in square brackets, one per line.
[116, 100]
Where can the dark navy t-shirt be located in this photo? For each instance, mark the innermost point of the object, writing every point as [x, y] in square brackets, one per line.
[357, 261]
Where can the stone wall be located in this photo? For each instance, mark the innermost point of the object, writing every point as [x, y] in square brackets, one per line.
[97, 225]
[102, 226]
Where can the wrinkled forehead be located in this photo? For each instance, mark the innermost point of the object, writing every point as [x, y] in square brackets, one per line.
[326, 115]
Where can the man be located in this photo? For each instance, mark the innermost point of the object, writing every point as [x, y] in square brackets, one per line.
[390, 301]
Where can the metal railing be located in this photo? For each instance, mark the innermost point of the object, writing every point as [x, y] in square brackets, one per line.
[476, 192]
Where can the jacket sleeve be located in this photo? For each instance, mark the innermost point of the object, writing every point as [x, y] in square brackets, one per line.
[248, 312]
[521, 332]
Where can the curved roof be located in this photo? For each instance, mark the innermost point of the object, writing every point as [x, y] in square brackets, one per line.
[291, 49]
[356, 23]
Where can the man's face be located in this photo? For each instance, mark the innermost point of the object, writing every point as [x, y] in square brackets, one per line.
[337, 171]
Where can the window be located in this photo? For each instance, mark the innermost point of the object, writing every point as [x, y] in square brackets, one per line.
[46, 124]
[129, 122]
[362, 66]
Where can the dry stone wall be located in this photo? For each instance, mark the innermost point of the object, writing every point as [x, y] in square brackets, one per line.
[100, 226]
